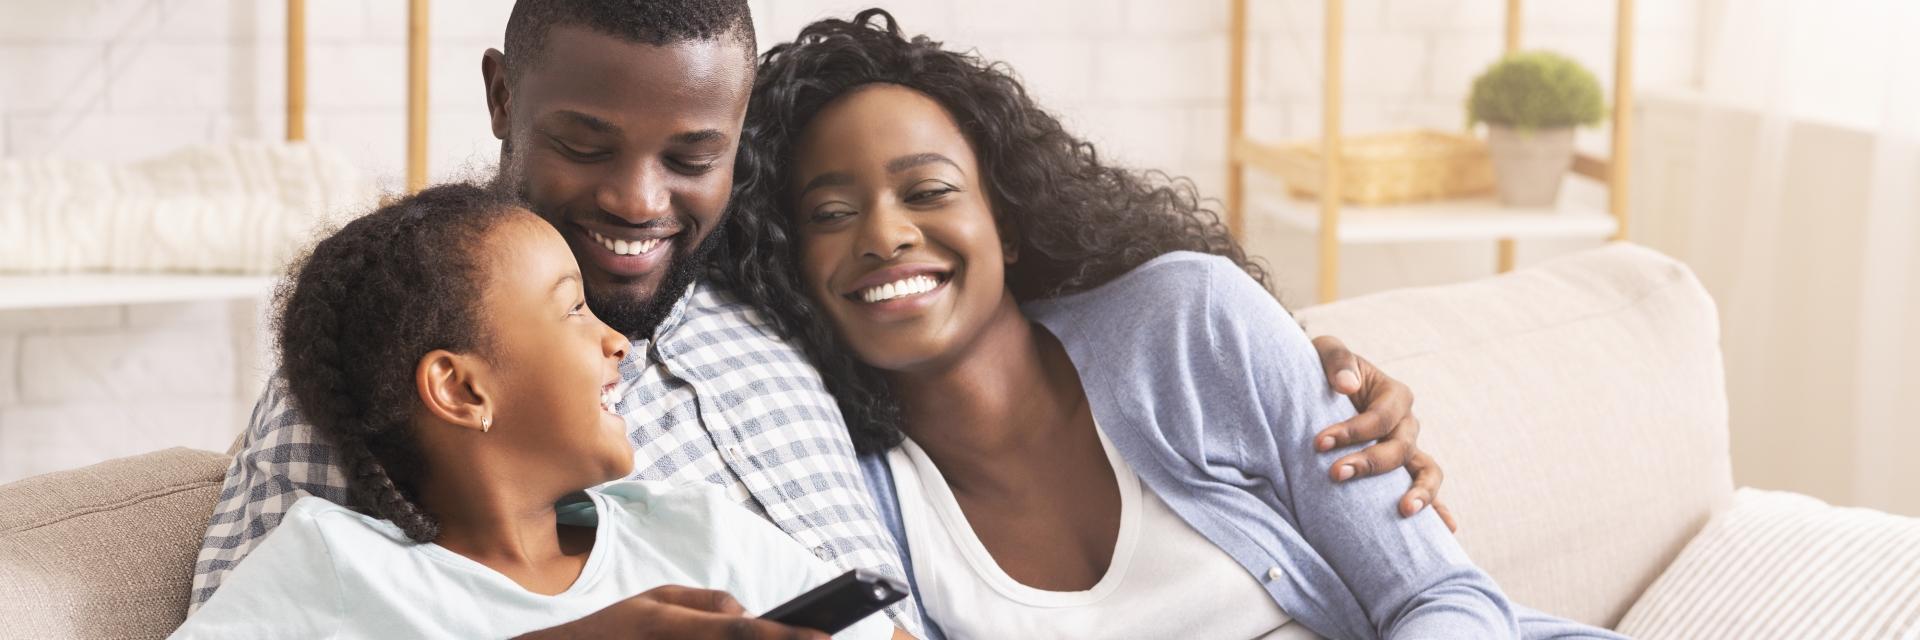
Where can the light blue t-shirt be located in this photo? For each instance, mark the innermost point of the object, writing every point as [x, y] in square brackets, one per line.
[330, 572]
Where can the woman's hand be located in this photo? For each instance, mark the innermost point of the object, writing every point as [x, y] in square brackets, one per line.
[1386, 415]
[674, 611]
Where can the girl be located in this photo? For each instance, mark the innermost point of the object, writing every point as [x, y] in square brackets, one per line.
[1094, 417]
[444, 346]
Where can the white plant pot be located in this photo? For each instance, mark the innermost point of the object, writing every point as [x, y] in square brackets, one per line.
[1528, 166]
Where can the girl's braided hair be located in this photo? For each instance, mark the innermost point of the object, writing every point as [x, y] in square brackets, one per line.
[355, 316]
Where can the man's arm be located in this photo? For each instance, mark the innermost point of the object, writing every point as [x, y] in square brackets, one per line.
[1386, 415]
[281, 459]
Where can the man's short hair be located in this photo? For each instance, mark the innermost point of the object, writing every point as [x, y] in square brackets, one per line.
[650, 22]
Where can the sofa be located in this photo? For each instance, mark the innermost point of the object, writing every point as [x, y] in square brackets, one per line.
[1578, 408]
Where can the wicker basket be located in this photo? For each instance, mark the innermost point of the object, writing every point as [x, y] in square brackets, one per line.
[1393, 168]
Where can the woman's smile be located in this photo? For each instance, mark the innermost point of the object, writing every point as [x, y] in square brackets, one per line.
[900, 292]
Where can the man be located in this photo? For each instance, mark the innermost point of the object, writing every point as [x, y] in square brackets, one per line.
[619, 122]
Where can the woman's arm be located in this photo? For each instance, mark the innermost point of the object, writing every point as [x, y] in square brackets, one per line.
[1410, 575]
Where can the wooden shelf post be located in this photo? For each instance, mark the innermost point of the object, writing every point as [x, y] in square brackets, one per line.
[1617, 165]
[416, 95]
[1505, 261]
[296, 70]
[1236, 117]
[1330, 151]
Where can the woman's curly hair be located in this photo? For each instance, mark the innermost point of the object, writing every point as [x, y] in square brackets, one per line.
[356, 315]
[1075, 222]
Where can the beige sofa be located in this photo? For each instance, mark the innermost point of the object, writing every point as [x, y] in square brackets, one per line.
[1578, 408]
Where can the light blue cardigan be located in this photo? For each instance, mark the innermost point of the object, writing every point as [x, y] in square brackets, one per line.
[1212, 393]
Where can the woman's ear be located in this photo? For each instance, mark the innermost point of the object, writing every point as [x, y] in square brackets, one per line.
[1009, 240]
[452, 387]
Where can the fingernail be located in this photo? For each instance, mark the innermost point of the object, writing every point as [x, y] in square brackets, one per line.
[1345, 471]
[1419, 504]
[1347, 379]
[1326, 443]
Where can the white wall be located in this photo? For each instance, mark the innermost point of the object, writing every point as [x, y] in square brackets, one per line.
[1146, 79]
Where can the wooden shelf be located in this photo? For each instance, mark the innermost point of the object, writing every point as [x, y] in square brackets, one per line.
[1581, 213]
[1576, 217]
[96, 289]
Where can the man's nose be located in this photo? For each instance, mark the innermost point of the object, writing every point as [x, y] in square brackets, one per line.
[637, 193]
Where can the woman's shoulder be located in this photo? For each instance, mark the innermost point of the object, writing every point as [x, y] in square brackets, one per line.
[1179, 293]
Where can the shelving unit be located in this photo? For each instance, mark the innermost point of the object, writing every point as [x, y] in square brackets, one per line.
[96, 289]
[1593, 206]
[25, 291]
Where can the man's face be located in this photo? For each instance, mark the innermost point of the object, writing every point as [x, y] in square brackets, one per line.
[627, 149]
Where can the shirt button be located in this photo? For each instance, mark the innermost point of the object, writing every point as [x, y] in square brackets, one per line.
[734, 453]
[1274, 573]
[820, 552]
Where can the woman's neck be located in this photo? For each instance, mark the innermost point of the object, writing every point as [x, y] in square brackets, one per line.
[1008, 398]
[499, 522]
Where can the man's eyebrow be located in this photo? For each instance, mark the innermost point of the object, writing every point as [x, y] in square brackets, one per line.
[584, 120]
[695, 137]
[904, 163]
[832, 179]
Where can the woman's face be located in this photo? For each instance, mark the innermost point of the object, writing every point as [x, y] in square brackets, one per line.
[897, 240]
[551, 365]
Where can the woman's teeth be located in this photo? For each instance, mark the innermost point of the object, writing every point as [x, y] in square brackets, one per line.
[626, 247]
[915, 285]
[607, 399]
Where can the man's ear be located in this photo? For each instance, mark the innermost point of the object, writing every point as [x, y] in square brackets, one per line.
[493, 71]
[453, 388]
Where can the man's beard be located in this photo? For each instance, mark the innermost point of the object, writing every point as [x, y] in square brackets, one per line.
[638, 318]
[634, 318]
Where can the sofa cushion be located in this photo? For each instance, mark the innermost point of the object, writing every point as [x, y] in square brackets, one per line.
[106, 550]
[1578, 409]
[1784, 565]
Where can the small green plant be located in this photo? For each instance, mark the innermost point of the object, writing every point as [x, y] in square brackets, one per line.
[1536, 90]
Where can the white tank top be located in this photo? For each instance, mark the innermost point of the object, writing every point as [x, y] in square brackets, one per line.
[1165, 579]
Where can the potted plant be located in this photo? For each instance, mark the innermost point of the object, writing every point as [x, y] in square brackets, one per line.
[1531, 101]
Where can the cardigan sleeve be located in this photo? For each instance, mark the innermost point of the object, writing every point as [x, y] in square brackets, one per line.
[1408, 574]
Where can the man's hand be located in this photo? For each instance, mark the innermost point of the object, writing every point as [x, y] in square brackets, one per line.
[676, 612]
[1386, 414]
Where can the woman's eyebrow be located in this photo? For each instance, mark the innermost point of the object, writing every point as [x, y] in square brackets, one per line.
[904, 163]
[829, 179]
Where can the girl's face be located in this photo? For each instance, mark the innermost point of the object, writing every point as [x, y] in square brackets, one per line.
[551, 366]
[897, 240]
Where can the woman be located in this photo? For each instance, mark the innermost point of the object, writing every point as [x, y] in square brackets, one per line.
[444, 345]
[1095, 417]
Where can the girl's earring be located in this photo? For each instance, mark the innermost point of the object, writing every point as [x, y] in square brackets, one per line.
[486, 424]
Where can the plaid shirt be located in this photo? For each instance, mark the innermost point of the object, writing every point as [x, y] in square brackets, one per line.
[719, 399]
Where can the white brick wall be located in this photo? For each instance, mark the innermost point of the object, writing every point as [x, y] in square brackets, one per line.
[1145, 79]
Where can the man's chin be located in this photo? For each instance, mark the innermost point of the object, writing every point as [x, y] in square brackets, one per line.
[637, 306]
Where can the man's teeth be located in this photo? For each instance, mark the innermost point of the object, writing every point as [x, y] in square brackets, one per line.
[625, 247]
[899, 289]
[607, 399]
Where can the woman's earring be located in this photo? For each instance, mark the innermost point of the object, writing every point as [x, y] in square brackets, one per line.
[486, 424]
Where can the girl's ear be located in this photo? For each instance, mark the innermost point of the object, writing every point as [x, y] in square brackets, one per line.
[453, 388]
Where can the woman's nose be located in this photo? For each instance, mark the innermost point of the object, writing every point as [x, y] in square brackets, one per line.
[888, 232]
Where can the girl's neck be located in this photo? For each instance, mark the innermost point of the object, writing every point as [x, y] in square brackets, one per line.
[1011, 395]
[499, 523]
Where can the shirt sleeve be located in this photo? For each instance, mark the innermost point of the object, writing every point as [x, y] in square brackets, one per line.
[1411, 577]
[288, 588]
[765, 561]
[281, 460]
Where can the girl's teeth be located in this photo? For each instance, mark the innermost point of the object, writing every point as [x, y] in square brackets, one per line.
[625, 247]
[908, 287]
